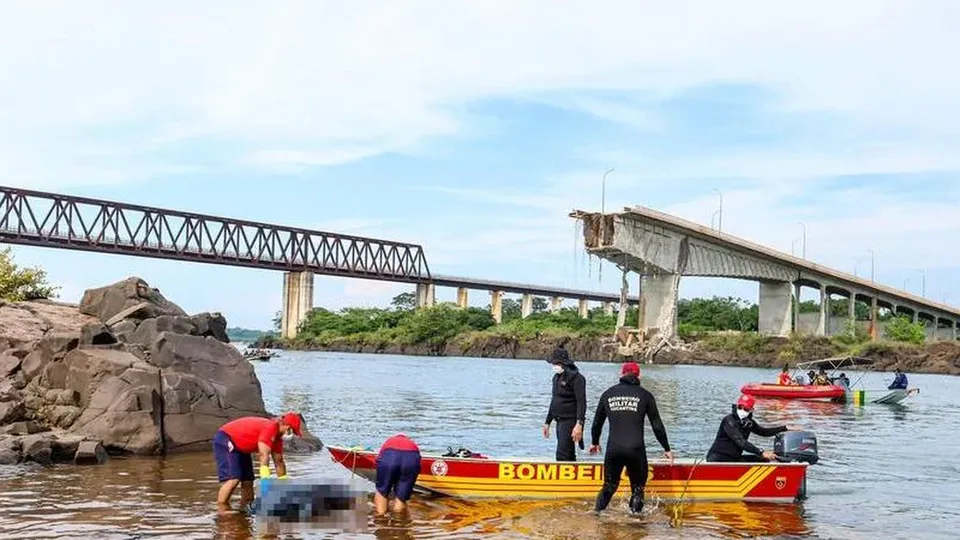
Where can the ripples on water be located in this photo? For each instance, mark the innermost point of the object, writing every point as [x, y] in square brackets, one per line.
[885, 471]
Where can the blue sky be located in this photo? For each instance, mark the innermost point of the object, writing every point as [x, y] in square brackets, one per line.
[475, 130]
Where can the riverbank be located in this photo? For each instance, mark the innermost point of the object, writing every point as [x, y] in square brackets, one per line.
[727, 349]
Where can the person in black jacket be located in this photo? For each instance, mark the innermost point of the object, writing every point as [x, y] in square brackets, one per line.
[568, 406]
[626, 404]
[731, 441]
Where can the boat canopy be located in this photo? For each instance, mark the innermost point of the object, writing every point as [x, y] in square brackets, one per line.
[836, 362]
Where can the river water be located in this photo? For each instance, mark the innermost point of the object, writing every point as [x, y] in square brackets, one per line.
[885, 471]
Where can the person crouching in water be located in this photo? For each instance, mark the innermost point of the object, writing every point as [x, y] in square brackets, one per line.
[731, 441]
[568, 405]
[398, 467]
[234, 445]
[626, 404]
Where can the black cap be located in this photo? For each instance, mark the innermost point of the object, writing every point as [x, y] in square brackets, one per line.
[560, 356]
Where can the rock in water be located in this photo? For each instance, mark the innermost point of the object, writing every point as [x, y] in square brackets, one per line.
[106, 302]
[206, 383]
[9, 450]
[90, 453]
[38, 448]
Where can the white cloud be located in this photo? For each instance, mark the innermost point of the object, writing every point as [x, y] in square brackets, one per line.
[99, 93]
[361, 292]
[314, 83]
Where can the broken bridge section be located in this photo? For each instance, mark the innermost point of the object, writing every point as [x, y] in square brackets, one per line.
[662, 248]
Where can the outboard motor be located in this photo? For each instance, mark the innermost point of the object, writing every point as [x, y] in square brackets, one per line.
[796, 446]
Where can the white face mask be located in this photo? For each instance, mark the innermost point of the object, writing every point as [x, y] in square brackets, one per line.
[742, 414]
[558, 368]
[287, 436]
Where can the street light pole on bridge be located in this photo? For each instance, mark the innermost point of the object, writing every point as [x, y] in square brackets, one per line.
[804, 256]
[603, 191]
[720, 220]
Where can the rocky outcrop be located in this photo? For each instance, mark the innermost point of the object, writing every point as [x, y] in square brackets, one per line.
[127, 371]
[130, 299]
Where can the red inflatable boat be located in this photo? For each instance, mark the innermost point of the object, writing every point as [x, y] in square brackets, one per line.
[794, 391]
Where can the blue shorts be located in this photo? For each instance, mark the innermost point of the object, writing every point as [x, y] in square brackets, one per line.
[231, 464]
[397, 471]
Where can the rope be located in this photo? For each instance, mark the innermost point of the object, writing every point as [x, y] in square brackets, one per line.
[678, 508]
[352, 452]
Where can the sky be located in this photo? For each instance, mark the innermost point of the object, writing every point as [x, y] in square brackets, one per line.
[473, 129]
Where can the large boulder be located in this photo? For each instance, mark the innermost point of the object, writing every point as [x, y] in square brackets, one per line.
[107, 395]
[149, 330]
[10, 450]
[211, 325]
[126, 372]
[51, 347]
[206, 383]
[132, 295]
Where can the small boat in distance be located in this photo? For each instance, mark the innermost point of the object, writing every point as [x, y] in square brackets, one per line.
[258, 355]
[831, 392]
[795, 391]
[856, 393]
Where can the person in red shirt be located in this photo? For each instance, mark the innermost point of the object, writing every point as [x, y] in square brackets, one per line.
[398, 467]
[236, 441]
[784, 379]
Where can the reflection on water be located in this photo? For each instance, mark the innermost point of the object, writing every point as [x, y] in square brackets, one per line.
[881, 467]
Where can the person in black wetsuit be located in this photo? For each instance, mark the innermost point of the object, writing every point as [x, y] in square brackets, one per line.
[568, 406]
[899, 381]
[626, 404]
[735, 428]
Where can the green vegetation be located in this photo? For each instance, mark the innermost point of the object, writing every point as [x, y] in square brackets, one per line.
[244, 334]
[18, 284]
[719, 324]
[903, 330]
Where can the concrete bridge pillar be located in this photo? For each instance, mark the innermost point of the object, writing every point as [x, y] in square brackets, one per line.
[776, 305]
[624, 305]
[462, 297]
[953, 327]
[873, 319]
[584, 308]
[658, 300]
[526, 305]
[852, 313]
[796, 309]
[823, 322]
[555, 303]
[496, 305]
[426, 295]
[608, 308]
[297, 301]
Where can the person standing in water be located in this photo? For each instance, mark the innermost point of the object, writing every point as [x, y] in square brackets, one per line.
[234, 445]
[398, 467]
[626, 405]
[568, 405]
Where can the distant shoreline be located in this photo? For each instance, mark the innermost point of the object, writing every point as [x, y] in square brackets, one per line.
[939, 358]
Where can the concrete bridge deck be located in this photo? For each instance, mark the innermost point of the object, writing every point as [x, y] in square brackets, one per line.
[662, 248]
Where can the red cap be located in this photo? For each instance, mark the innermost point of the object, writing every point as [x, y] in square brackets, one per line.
[747, 402]
[630, 368]
[292, 419]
